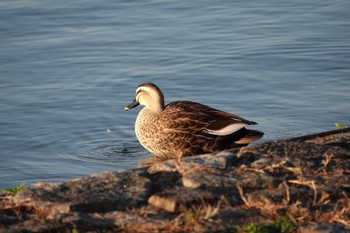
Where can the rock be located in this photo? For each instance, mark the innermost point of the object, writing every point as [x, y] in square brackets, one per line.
[217, 161]
[166, 203]
[103, 192]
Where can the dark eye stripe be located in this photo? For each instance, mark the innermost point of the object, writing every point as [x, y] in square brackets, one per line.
[139, 91]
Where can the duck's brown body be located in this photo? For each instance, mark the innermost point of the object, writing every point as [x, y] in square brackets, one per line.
[185, 128]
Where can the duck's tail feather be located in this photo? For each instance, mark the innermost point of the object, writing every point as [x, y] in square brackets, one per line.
[249, 136]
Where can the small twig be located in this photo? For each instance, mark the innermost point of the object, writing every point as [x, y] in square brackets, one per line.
[346, 197]
[295, 170]
[326, 159]
[324, 198]
[287, 191]
[99, 216]
[240, 191]
[257, 170]
[308, 183]
[315, 192]
[338, 219]
[291, 217]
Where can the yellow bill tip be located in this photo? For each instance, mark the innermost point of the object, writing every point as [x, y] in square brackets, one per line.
[126, 109]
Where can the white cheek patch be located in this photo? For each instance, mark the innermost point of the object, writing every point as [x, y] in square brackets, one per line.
[142, 100]
[228, 129]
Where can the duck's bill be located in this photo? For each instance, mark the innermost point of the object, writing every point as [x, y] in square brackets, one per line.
[134, 104]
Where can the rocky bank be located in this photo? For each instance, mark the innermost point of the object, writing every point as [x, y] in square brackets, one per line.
[296, 185]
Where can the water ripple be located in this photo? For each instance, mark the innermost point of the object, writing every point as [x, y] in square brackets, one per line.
[110, 152]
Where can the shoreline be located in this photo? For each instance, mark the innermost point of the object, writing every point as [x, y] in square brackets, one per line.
[301, 184]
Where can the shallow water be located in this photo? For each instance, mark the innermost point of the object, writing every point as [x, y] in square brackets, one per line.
[67, 69]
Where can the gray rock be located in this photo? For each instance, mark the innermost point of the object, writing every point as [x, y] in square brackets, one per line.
[102, 192]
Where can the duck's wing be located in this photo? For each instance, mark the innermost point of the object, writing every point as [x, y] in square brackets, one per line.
[203, 119]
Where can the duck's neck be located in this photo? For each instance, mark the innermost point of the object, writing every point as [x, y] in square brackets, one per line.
[155, 103]
[156, 108]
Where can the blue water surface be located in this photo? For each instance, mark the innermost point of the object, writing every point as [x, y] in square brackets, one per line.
[68, 68]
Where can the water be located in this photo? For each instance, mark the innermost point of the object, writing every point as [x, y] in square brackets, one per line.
[68, 68]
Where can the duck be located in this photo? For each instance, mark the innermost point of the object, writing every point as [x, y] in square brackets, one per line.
[186, 128]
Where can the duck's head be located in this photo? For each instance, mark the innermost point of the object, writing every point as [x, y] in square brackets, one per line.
[148, 95]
